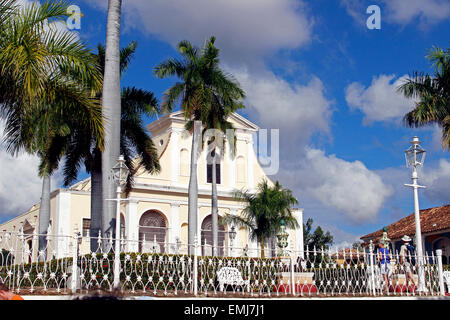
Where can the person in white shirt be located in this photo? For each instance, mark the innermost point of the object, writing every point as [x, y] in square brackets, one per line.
[404, 259]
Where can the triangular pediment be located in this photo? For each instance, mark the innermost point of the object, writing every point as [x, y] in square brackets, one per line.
[164, 123]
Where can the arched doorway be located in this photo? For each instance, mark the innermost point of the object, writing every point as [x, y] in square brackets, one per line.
[207, 237]
[443, 244]
[153, 227]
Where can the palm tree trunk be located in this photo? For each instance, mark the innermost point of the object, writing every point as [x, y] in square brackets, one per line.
[193, 189]
[44, 213]
[111, 113]
[262, 248]
[96, 199]
[215, 215]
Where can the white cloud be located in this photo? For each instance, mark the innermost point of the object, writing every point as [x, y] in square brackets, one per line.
[345, 186]
[20, 185]
[437, 181]
[356, 9]
[401, 12]
[380, 101]
[429, 12]
[245, 30]
[297, 110]
[434, 175]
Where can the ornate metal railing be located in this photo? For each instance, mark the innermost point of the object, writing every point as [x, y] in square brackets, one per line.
[66, 265]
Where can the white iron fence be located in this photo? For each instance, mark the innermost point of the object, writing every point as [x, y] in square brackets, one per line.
[167, 269]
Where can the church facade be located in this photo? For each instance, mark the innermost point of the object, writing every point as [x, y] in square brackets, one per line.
[155, 213]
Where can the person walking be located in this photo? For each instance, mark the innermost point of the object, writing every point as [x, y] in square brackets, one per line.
[385, 262]
[406, 258]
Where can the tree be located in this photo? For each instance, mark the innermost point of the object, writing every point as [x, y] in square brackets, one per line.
[111, 102]
[432, 93]
[264, 212]
[205, 92]
[317, 239]
[136, 145]
[45, 74]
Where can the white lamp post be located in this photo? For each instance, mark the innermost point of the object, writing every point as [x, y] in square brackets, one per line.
[120, 174]
[415, 157]
[232, 235]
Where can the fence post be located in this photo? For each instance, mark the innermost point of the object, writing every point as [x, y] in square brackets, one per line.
[249, 274]
[440, 272]
[372, 272]
[292, 269]
[195, 273]
[75, 261]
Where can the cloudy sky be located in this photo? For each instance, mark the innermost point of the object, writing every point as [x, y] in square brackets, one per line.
[311, 69]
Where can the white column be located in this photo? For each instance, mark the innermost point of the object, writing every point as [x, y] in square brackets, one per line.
[132, 225]
[175, 156]
[175, 228]
[199, 226]
[298, 215]
[250, 162]
[62, 223]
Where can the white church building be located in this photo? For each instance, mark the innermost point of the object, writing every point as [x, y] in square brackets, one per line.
[156, 209]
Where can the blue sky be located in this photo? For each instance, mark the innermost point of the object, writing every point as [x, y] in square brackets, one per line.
[315, 71]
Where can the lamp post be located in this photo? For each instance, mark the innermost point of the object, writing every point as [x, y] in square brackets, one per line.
[232, 236]
[385, 239]
[120, 174]
[282, 237]
[415, 157]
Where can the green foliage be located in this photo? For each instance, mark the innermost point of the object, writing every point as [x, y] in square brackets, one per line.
[46, 75]
[317, 239]
[432, 93]
[134, 139]
[6, 258]
[204, 91]
[264, 211]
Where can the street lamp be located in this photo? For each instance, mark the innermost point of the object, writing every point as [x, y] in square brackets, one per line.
[415, 157]
[282, 237]
[232, 236]
[120, 174]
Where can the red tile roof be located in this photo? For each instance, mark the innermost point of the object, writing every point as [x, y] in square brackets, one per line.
[431, 220]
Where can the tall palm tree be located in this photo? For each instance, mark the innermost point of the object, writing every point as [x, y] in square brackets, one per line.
[203, 89]
[135, 144]
[264, 212]
[111, 99]
[433, 94]
[216, 119]
[44, 73]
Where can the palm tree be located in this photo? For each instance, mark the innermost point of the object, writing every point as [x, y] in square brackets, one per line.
[111, 99]
[135, 144]
[44, 73]
[216, 120]
[264, 212]
[204, 89]
[433, 94]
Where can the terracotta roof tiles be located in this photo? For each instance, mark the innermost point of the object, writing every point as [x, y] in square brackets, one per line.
[431, 220]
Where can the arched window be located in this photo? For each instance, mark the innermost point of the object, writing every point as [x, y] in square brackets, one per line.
[207, 237]
[209, 168]
[184, 162]
[153, 227]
